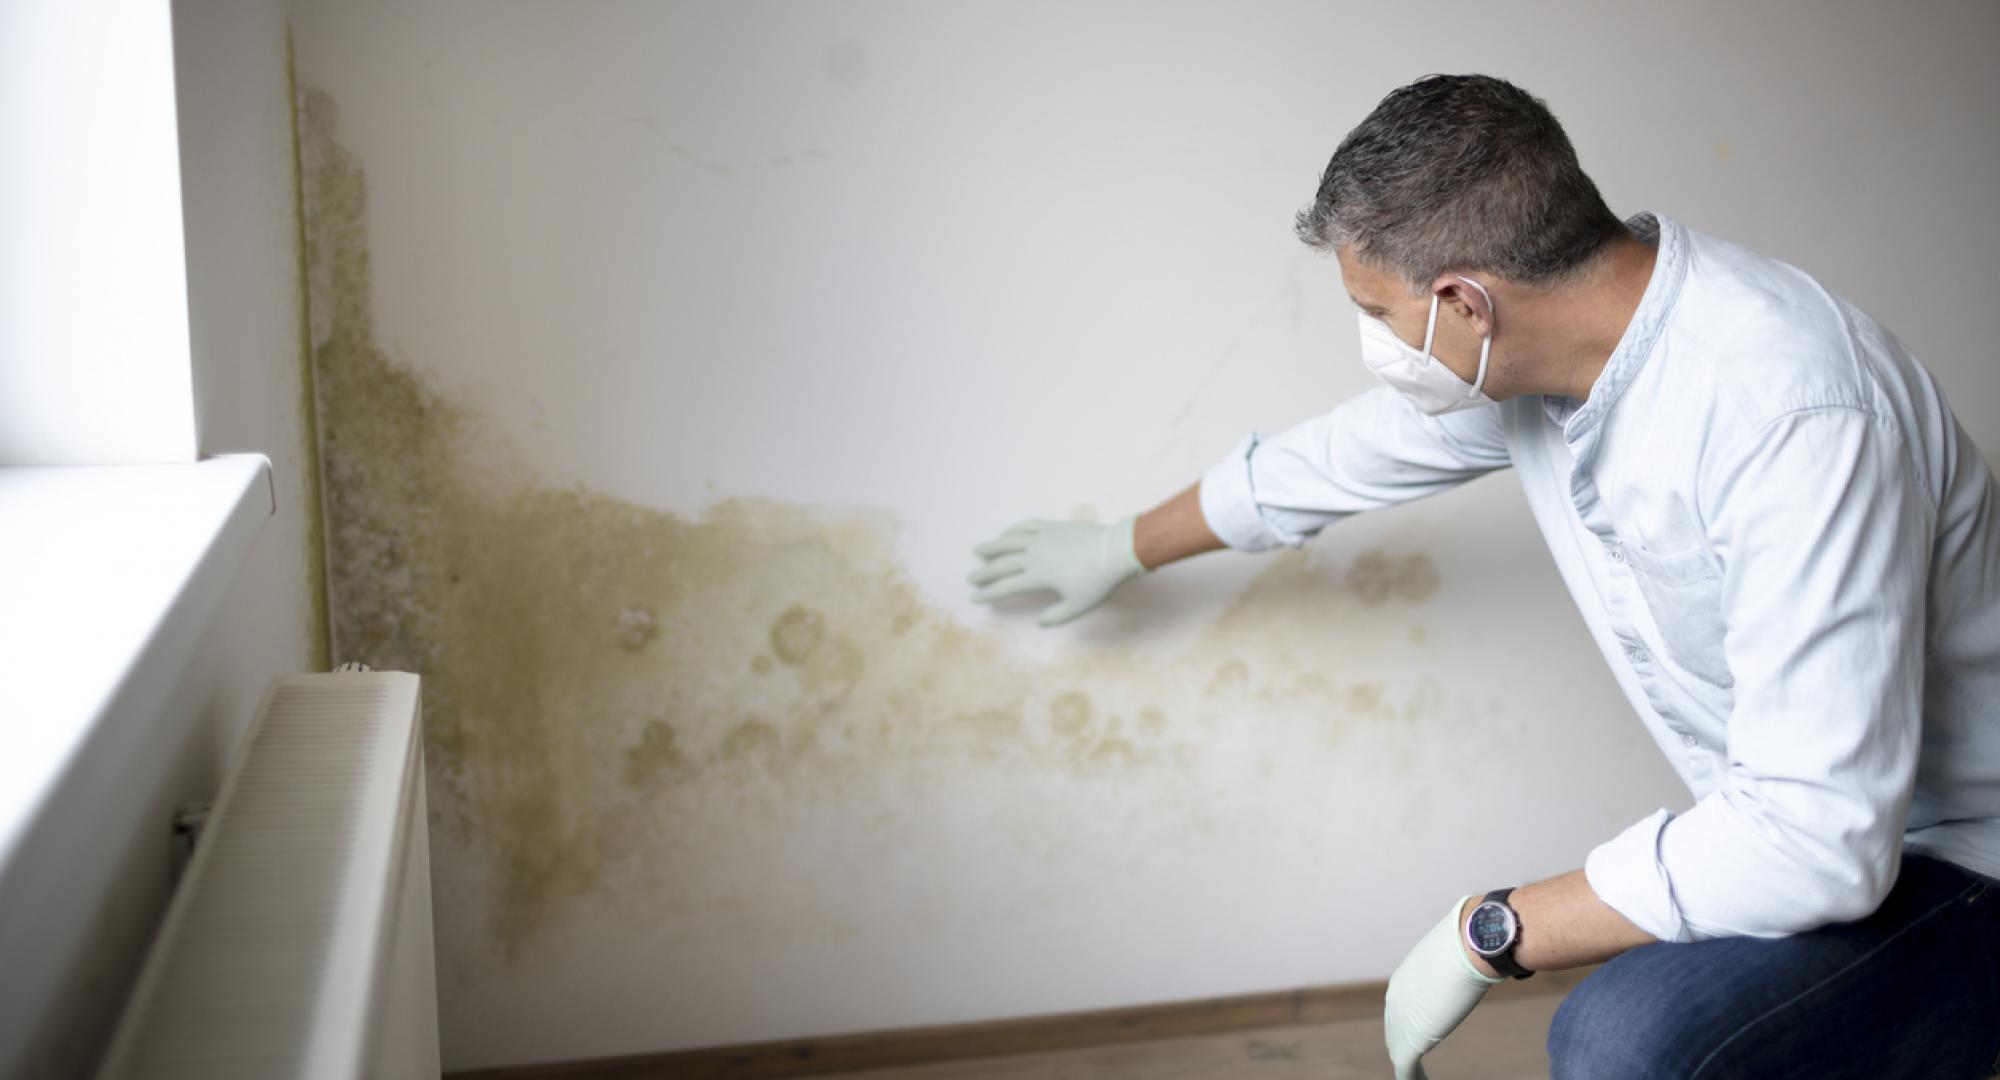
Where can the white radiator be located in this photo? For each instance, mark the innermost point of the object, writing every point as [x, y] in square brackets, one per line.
[298, 943]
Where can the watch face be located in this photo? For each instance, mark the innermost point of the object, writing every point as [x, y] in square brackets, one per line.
[1491, 928]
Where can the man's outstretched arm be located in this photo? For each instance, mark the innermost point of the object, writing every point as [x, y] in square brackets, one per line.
[1371, 451]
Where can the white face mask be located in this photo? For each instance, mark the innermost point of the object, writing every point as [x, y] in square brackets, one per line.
[1421, 377]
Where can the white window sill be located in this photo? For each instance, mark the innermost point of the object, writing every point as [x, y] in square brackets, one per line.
[107, 576]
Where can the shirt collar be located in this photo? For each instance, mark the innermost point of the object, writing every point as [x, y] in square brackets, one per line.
[1655, 306]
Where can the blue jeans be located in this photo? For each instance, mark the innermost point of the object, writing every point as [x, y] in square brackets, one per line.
[1912, 990]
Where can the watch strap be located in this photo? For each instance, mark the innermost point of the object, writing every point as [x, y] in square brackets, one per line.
[1503, 961]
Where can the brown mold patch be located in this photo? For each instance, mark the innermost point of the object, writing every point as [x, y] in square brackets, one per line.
[636, 627]
[1377, 575]
[1113, 751]
[751, 740]
[642, 708]
[1231, 679]
[796, 635]
[654, 757]
[1069, 714]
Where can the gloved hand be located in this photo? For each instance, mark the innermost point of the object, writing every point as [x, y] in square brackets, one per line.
[1081, 562]
[1433, 990]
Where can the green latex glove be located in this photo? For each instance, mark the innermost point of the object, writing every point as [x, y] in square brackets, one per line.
[1430, 994]
[1079, 561]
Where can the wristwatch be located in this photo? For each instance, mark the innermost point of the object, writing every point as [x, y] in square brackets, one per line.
[1494, 930]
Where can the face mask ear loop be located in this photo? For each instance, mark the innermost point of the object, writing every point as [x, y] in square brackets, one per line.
[1430, 328]
[1485, 341]
[1478, 384]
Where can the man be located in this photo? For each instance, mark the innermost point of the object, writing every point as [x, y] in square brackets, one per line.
[1777, 533]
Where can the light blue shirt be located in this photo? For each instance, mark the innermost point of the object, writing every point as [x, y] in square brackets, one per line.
[1788, 551]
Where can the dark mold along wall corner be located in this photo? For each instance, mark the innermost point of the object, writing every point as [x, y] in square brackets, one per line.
[321, 630]
[634, 707]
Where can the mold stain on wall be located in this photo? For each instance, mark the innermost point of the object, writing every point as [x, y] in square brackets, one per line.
[623, 704]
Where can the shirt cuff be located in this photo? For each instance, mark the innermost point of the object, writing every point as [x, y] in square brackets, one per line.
[1626, 873]
[1229, 502]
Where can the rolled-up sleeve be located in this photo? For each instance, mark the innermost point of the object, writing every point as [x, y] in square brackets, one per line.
[1822, 530]
[1371, 451]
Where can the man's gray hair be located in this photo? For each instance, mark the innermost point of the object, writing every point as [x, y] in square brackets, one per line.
[1460, 173]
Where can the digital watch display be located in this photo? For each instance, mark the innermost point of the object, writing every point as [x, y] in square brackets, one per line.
[1493, 927]
[1494, 931]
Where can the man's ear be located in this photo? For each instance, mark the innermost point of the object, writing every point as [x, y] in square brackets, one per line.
[1469, 300]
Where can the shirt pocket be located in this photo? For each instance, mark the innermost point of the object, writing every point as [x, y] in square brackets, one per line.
[1684, 593]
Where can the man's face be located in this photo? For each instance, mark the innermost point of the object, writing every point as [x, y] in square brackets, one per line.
[1383, 296]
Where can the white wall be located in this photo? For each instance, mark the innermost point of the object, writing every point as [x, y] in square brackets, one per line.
[959, 266]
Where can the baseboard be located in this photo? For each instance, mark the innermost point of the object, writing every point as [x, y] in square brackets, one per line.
[1031, 1034]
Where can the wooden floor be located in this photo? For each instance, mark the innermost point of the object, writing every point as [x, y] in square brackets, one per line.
[1322, 1033]
[1502, 1040]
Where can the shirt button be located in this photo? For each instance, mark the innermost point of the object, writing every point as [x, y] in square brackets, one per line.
[1688, 739]
[1635, 656]
[1617, 555]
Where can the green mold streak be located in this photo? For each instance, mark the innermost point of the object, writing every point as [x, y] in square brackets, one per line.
[635, 707]
[316, 570]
